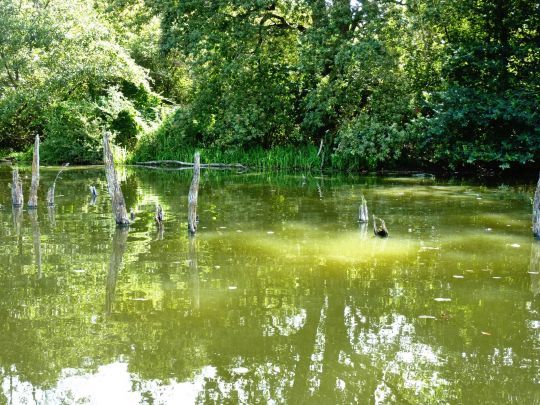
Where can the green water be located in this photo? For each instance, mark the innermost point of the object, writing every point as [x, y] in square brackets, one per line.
[281, 297]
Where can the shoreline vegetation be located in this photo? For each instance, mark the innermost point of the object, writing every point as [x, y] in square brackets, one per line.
[366, 86]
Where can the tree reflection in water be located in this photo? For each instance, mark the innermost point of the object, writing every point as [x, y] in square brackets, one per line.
[284, 300]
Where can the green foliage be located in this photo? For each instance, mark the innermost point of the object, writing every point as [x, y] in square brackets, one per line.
[71, 137]
[64, 74]
[424, 83]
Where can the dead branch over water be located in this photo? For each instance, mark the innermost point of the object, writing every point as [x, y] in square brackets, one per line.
[189, 164]
[50, 192]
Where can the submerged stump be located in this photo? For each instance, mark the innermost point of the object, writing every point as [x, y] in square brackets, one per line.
[33, 198]
[379, 229]
[159, 216]
[118, 204]
[193, 195]
[16, 189]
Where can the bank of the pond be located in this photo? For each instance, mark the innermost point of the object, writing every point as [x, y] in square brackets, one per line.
[291, 159]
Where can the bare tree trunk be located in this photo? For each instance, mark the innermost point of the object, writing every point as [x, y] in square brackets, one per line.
[33, 198]
[50, 192]
[16, 189]
[536, 212]
[118, 204]
[193, 195]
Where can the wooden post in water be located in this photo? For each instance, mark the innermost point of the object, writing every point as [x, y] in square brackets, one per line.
[363, 212]
[193, 195]
[536, 212]
[118, 204]
[16, 189]
[33, 198]
[50, 192]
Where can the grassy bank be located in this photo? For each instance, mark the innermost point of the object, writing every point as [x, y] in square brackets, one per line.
[278, 158]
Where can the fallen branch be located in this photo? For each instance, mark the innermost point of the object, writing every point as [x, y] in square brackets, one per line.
[189, 164]
[50, 192]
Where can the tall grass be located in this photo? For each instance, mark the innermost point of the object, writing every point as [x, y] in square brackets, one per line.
[282, 158]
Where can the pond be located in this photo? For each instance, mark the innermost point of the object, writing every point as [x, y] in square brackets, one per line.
[282, 296]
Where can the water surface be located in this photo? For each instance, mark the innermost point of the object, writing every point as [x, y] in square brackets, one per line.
[281, 297]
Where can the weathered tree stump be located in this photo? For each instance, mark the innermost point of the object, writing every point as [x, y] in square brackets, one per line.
[33, 198]
[118, 204]
[536, 212]
[379, 230]
[50, 192]
[363, 216]
[16, 189]
[193, 195]
[159, 216]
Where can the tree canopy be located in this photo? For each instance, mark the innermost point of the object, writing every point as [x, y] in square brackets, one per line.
[418, 83]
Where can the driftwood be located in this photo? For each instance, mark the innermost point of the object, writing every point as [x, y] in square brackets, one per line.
[379, 230]
[193, 195]
[188, 164]
[16, 189]
[50, 192]
[363, 211]
[536, 211]
[118, 204]
[33, 198]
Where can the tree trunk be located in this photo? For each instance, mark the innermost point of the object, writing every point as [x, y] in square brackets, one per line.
[536, 212]
[118, 204]
[16, 190]
[33, 198]
[193, 195]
